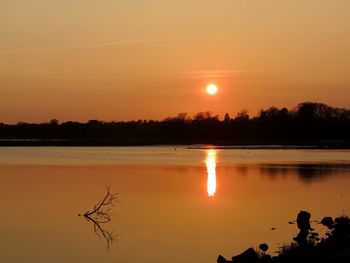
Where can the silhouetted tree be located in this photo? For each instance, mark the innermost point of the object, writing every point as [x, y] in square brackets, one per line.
[227, 118]
[242, 116]
[306, 122]
[54, 122]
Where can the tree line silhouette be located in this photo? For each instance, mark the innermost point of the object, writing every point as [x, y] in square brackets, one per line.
[307, 122]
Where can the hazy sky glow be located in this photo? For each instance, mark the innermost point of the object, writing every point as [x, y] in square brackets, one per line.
[142, 59]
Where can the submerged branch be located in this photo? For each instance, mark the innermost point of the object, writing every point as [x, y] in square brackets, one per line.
[101, 215]
[108, 200]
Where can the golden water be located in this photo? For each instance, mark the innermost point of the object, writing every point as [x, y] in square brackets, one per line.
[175, 204]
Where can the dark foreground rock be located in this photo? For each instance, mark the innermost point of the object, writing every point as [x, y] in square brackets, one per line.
[248, 256]
[328, 222]
[264, 247]
[307, 246]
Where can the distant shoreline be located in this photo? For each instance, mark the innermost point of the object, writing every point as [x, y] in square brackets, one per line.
[198, 144]
[310, 125]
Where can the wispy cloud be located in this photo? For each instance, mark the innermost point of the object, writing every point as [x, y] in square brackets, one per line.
[89, 46]
[212, 73]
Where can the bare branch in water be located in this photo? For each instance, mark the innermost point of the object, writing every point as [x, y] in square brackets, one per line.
[101, 215]
[101, 210]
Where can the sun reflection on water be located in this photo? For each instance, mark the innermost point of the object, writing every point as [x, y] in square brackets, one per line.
[211, 170]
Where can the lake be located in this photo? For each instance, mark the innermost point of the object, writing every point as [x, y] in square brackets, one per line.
[174, 204]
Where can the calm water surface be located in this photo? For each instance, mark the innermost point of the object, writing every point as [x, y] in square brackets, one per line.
[175, 204]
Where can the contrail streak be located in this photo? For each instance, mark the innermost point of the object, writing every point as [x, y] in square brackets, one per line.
[107, 44]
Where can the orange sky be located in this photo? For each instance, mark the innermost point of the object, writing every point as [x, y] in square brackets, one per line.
[128, 59]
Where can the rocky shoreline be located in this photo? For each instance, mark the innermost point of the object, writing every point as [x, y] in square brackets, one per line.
[307, 246]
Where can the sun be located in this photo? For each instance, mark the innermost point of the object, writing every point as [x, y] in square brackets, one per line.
[212, 89]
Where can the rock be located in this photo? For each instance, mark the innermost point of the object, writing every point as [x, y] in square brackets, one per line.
[248, 256]
[342, 226]
[303, 220]
[221, 259]
[265, 259]
[342, 220]
[328, 222]
[264, 247]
